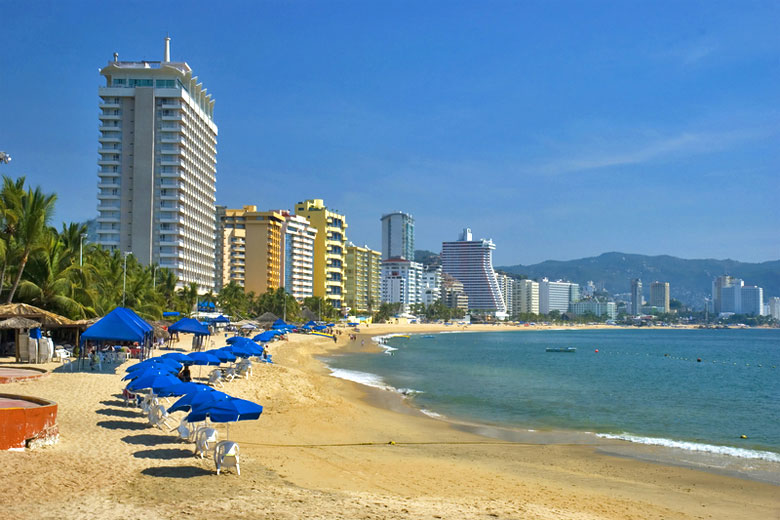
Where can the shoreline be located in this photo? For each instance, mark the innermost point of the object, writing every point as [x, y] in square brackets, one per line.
[323, 449]
[659, 450]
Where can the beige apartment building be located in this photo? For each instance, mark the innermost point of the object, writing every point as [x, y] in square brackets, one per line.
[363, 279]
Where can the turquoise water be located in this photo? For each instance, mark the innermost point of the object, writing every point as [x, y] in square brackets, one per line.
[642, 385]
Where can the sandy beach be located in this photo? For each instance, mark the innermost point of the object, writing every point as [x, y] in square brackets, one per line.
[329, 448]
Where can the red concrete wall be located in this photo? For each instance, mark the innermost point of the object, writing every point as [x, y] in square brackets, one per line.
[20, 425]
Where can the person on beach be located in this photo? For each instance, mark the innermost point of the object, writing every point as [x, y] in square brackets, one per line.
[184, 374]
[335, 339]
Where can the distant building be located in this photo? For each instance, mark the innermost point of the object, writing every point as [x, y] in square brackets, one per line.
[659, 296]
[507, 286]
[330, 249]
[525, 299]
[263, 251]
[297, 276]
[363, 279]
[471, 262]
[230, 261]
[720, 283]
[556, 296]
[452, 293]
[401, 282]
[157, 167]
[594, 307]
[774, 308]
[752, 300]
[430, 290]
[398, 236]
[636, 297]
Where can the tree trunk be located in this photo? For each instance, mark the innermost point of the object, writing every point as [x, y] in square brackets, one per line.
[2, 277]
[25, 256]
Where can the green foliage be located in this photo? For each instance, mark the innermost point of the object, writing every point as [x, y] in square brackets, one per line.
[386, 310]
[321, 308]
[436, 311]
[278, 302]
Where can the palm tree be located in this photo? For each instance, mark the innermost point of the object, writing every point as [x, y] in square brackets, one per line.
[189, 296]
[10, 201]
[33, 216]
[53, 281]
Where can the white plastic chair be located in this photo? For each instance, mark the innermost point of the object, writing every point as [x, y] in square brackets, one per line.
[148, 402]
[244, 369]
[215, 378]
[158, 417]
[184, 430]
[226, 456]
[203, 436]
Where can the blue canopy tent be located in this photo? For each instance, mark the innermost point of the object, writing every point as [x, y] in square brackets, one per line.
[280, 322]
[121, 325]
[191, 326]
[310, 323]
[221, 319]
[171, 314]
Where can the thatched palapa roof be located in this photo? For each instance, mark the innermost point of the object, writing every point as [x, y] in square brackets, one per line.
[46, 318]
[19, 323]
[267, 317]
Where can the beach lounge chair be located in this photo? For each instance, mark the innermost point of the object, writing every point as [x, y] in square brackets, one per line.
[226, 456]
[230, 374]
[244, 369]
[147, 402]
[158, 417]
[215, 378]
[185, 430]
[203, 436]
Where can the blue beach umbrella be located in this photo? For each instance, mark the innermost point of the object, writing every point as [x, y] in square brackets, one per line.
[234, 339]
[183, 389]
[196, 398]
[203, 358]
[153, 382]
[243, 350]
[225, 410]
[162, 371]
[177, 356]
[169, 363]
[225, 356]
[264, 336]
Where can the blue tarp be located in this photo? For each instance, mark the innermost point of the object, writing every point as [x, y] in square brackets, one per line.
[190, 325]
[279, 322]
[221, 319]
[118, 325]
[170, 314]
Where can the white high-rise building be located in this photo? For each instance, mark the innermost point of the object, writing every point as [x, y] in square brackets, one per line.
[556, 296]
[398, 236]
[774, 307]
[157, 167]
[430, 291]
[401, 282]
[636, 297]
[471, 263]
[507, 286]
[752, 300]
[297, 276]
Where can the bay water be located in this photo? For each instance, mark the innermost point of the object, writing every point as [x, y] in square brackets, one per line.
[695, 390]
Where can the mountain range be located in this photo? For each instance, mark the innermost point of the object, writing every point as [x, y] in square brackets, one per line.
[690, 281]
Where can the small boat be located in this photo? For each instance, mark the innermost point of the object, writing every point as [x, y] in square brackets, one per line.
[401, 336]
[561, 349]
[428, 336]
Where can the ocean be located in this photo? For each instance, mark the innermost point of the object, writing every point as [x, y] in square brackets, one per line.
[690, 390]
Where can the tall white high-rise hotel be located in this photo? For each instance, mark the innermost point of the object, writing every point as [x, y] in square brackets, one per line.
[157, 166]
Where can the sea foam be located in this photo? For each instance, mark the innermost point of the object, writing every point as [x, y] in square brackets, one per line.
[372, 380]
[695, 446]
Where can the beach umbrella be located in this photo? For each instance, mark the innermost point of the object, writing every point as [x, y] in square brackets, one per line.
[167, 361]
[225, 356]
[264, 336]
[203, 358]
[131, 376]
[177, 356]
[153, 382]
[225, 411]
[145, 365]
[246, 350]
[197, 397]
[183, 389]
[236, 339]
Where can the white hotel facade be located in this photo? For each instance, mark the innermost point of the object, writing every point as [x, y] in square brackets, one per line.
[157, 167]
[471, 263]
[297, 256]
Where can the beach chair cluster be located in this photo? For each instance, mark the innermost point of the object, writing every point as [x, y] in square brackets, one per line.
[154, 381]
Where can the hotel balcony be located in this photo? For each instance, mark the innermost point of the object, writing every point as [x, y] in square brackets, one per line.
[112, 138]
[109, 117]
[172, 117]
[109, 162]
[110, 128]
[109, 105]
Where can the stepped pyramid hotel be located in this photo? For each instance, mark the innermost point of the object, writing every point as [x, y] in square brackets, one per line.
[157, 166]
[471, 263]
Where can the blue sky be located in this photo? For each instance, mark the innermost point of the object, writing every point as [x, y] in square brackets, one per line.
[560, 129]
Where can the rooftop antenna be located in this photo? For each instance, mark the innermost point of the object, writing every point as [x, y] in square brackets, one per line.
[116, 56]
[167, 49]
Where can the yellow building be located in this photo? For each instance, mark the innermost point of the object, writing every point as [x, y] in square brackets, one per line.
[251, 248]
[329, 249]
[363, 283]
[231, 246]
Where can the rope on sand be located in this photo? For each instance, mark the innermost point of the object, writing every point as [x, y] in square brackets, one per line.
[409, 443]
